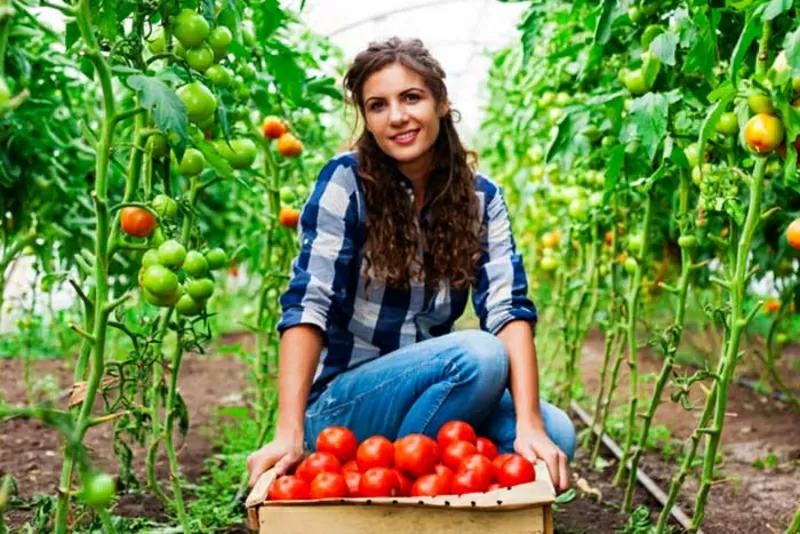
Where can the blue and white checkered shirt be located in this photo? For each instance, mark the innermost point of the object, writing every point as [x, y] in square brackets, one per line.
[327, 288]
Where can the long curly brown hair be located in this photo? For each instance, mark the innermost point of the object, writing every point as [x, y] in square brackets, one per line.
[451, 236]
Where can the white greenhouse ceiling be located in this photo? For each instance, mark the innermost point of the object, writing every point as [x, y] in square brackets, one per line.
[458, 33]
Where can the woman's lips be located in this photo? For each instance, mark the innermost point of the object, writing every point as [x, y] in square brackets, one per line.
[405, 138]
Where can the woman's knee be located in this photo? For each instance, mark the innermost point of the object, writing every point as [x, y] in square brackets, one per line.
[483, 356]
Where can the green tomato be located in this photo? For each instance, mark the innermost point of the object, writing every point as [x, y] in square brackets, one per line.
[288, 196]
[192, 163]
[156, 43]
[546, 99]
[563, 99]
[186, 305]
[596, 199]
[634, 14]
[200, 102]
[246, 71]
[171, 254]
[728, 124]
[99, 490]
[220, 76]
[216, 258]
[166, 301]
[200, 288]
[692, 154]
[608, 141]
[635, 242]
[195, 264]
[165, 206]
[781, 338]
[636, 83]
[549, 263]
[159, 281]
[241, 153]
[555, 114]
[157, 146]
[200, 58]
[687, 241]
[630, 265]
[760, 103]
[191, 28]
[577, 209]
[150, 258]
[219, 38]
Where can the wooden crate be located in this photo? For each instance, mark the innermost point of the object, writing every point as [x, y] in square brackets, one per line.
[526, 508]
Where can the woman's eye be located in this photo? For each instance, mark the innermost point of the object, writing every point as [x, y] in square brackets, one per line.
[375, 106]
[412, 97]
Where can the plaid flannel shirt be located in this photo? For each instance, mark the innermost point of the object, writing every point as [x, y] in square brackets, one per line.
[327, 288]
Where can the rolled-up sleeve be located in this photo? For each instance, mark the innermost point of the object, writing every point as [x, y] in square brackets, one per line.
[500, 293]
[321, 270]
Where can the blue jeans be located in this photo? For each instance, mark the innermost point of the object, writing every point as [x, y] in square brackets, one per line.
[416, 389]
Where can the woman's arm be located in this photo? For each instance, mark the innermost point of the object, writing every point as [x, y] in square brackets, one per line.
[532, 440]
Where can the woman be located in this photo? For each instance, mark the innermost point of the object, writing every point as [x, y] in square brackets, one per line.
[393, 238]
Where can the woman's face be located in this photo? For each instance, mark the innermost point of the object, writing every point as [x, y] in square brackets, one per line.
[401, 113]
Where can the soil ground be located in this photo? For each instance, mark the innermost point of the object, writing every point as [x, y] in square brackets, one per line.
[757, 501]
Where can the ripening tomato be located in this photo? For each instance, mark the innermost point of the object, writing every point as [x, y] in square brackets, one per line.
[416, 454]
[327, 485]
[480, 464]
[772, 305]
[352, 465]
[375, 451]
[339, 441]
[379, 482]
[469, 481]
[486, 448]
[793, 234]
[430, 486]
[316, 463]
[353, 480]
[763, 133]
[288, 488]
[550, 239]
[273, 127]
[453, 431]
[137, 222]
[289, 217]
[516, 470]
[405, 484]
[456, 452]
[289, 146]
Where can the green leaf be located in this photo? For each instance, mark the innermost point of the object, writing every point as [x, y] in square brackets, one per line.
[791, 44]
[73, 33]
[700, 39]
[751, 31]
[775, 8]
[215, 159]
[287, 74]
[663, 47]
[104, 15]
[532, 20]
[714, 113]
[616, 160]
[602, 31]
[325, 86]
[268, 17]
[647, 122]
[169, 111]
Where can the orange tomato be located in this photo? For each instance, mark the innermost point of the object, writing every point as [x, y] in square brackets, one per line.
[793, 234]
[551, 239]
[289, 217]
[137, 222]
[763, 133]
[289, 146]
[273, 127]
[771, 305]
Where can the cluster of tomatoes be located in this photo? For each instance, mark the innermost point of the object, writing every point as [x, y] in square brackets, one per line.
[457, 462]
[289, 147]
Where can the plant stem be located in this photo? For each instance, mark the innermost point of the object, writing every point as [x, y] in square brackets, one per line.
[633, 363]
[672, 337]
[174, 475]
[617, 338]
[794, 528]
[738, 323]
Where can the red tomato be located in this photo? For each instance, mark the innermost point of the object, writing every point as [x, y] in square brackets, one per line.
[446, 473]
[469, 481]
[481, 465]
[375, 451]
[288, 488]
[416, 455]
[405, 484]
[352, 465]
[328, 486]
[515, 470]
[379, 482]
[339, 441]
[353, 479]
[486, 448]
[430, 486]
[316, 463]
[455, 453]
[455, 431]
[498, 462]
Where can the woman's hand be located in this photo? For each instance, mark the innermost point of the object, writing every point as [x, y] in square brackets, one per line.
[534, 443]
[282, 452]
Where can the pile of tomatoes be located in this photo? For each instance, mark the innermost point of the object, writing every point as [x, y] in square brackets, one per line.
[457, 462]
